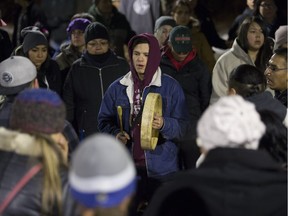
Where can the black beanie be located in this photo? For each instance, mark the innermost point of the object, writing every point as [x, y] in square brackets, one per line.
[33, 39]
[96, 30]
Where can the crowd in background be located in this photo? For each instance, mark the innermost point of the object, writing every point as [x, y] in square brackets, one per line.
[71, 108]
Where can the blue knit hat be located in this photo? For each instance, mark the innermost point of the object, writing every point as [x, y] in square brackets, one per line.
[38, 111]
[102, 172]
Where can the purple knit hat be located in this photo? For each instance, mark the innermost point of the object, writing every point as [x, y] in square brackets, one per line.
[78, 23]
[38, 111]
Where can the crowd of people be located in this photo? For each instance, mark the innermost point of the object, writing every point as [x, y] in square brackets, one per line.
[71, 120]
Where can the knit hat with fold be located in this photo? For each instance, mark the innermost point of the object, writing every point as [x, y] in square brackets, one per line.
[32, 38]
[38, 111]
[102, 173]
[96, 30]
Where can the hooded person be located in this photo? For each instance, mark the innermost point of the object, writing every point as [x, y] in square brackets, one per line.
[35, 48]
[130, 93]
[97, 68]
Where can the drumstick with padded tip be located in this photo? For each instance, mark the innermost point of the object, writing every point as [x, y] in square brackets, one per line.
[119, 111]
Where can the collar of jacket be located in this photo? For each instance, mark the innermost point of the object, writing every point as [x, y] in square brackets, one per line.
[20, 143]
[252, 159]
[127, 80]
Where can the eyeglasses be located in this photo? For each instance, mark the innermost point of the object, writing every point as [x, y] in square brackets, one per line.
[274, 68]
[269, 6]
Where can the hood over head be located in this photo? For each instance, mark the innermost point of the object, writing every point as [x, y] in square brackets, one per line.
[154, 58]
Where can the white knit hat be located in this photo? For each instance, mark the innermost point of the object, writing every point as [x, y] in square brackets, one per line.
[230, 122]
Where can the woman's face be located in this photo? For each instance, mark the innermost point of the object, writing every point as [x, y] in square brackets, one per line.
[268, 9]
[97, 46]
[181, 15]
[255, 37]
[77, 38]
[38, 55]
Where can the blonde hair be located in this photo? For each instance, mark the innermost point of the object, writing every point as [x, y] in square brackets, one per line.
[52, 160]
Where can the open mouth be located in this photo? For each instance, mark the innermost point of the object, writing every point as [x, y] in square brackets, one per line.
[140, 66]
[269, 82]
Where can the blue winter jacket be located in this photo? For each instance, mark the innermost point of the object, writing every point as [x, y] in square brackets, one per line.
[164, 159]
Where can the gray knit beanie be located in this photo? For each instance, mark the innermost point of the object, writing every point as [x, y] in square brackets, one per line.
[33, 39]
[102, 173]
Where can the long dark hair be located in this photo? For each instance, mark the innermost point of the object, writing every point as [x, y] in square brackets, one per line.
[265, 51]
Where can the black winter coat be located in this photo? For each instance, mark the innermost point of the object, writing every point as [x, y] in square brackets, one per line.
[195, 80]
[230, 182]
[5, 44]
[84, 89]
[51, 71]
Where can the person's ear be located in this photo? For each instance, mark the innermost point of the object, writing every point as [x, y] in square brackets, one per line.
[231, 91]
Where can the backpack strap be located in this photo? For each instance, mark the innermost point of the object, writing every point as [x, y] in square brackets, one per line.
[23, 181]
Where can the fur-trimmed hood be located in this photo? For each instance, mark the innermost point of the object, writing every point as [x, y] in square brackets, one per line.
[20, 143]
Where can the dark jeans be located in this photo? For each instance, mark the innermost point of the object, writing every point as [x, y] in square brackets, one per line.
[146, 187]
[189, 152]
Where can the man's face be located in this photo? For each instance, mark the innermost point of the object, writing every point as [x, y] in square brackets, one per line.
[179, 56]
[276, 73]
[140, 58]
[162, 34]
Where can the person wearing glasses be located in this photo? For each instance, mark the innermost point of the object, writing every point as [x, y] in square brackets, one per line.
[88, 79]
[276, 74]
[183, 63]
[270, 11]
[250, 83]
[251, 46]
